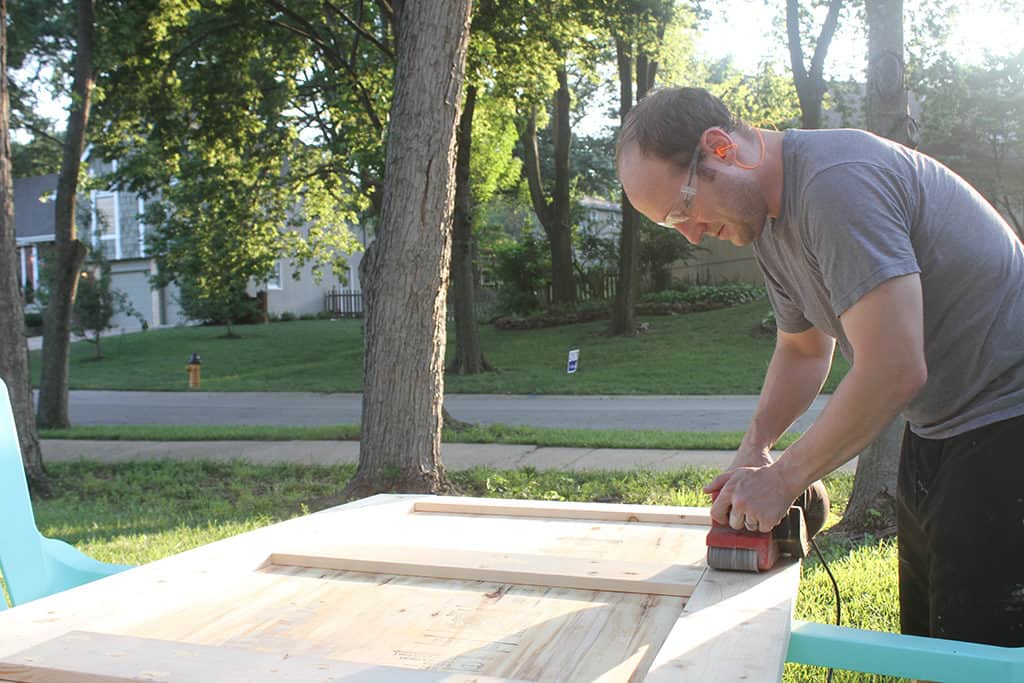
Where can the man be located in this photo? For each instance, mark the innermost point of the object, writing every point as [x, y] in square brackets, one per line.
[921, 282]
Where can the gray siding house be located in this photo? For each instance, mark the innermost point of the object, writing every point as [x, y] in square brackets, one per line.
[112, 221]
[108, 220]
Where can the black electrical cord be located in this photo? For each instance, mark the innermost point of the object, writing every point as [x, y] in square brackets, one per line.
[835, 587]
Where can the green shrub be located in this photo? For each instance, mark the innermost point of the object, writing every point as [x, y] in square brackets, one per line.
[230, 305]
[668, 302]
[33, 319]
[699, 298]
[556, 315]
[97, 302]
[522, 269]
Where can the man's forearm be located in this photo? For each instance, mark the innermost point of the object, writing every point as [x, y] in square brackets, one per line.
[863, 404]
[791, 384]
[885, 329]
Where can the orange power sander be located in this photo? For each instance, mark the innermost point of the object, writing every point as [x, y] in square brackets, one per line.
[755, 551]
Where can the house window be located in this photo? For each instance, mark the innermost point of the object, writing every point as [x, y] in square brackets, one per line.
[29, 272]
[142, 228]
[274, 279]
[105, 229]
[105, 216]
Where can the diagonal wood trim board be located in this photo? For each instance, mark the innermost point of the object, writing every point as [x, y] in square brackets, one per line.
[104, 658]
[524, 569]
[735, 627]
[652, 514]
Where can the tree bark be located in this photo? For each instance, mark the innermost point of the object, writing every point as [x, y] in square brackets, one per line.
[553, 213]
[627, 288]
[887, 111]
[871, 507]
[67, 253]
[407, 272]
[469, 359]
[810, 82]
[563, 280]
[13, 350]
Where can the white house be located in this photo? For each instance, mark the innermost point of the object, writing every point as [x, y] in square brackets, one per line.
[111, 220]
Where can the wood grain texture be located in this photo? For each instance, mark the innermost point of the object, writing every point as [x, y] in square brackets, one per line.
[519, 632]
[513, 568]
[653, 514]
[735, 627]
[84, 657]
[227, 596]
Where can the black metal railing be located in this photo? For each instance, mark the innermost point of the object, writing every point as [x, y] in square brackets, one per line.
[344, 303]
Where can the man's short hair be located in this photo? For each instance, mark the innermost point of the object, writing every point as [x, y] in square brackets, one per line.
[668, 122]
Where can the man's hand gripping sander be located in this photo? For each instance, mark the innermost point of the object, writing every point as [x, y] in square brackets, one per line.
[754, 551]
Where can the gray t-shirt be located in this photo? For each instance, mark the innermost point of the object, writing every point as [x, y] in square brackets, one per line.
[858, 210]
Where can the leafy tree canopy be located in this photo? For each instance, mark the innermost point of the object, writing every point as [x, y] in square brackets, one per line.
[258, 125]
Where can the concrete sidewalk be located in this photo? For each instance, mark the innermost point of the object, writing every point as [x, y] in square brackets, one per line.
[456, 456]
[36, 343]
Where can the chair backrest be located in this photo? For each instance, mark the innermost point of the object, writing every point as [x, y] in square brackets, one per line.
[21, 545]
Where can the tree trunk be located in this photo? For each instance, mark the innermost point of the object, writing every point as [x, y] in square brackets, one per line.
[13, 350]
[810, 82]
[627, 288]
[887, 112]
[407, 272]
[553, 214]
[68, 253]
[624, 311]
[871, 506]
[469, 359]
[563, 280]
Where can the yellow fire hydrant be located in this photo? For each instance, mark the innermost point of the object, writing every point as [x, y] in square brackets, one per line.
[193, 368]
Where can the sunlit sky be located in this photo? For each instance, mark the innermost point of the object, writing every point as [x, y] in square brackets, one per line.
[745, 30]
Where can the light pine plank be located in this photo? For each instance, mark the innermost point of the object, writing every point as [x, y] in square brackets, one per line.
[470, 626]
[581, 538]
[519, 632]
[735, 627]
[605, 512]
[84, 657]
[513, 568]
[197, 575]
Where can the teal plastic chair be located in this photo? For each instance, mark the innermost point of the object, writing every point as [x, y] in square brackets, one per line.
[33, 565]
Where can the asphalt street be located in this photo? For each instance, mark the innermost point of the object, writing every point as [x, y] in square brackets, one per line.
[680, 413]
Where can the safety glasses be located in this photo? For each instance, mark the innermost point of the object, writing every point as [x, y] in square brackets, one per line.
[680, 213]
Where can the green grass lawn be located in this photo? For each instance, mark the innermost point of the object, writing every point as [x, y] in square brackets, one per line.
[139, 512]
[495, 433]
[717, 352]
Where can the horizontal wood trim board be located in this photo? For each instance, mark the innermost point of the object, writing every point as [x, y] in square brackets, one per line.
[532, 570]
[603, 512]
[87, 657]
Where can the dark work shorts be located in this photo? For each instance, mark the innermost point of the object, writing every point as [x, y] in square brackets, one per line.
[960, 521]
